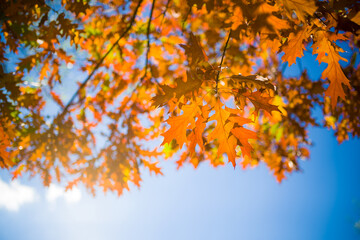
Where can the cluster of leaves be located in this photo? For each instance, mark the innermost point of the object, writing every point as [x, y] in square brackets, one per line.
[209, 69]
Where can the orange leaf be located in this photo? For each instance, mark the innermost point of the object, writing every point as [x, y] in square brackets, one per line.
[261, 102]
[57, 99]
[152, 167]
[268, 20]
[182, 160]
[295, 46]
[58, 174]
[179, 125]
[237, 19]
[196, 136]
[243, 135]
[5, 160]
[182, 88]
[333, 72]
[227, 142]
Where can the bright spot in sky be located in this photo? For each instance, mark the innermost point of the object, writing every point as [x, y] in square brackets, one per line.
[69, 65]
[54, 192]
[14, 194]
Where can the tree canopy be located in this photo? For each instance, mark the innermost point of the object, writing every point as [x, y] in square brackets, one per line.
[201, 80]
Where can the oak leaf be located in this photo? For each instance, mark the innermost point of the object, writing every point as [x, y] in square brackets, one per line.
[5, 161]
[182, 88]
[57, 98]
[267, 20]
[252, 81]
[198, 63]
[196, 136]
[193, 50]
[227, 142]
[237, 19]
[179, 125]
[243, 134]
[261, 101]
[295, 46]
[301, 8]
[333, 72]
[152, 167]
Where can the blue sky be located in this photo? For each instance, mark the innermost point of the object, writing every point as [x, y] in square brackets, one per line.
[208, 203]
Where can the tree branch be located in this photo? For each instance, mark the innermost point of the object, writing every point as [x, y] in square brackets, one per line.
[148, 38]
[132, 20]
[164, 13]
[221, 62]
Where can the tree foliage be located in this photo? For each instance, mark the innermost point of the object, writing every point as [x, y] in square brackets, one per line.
[205, 77]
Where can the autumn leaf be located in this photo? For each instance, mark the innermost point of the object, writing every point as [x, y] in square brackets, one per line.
[194, 52]
[261, 101]
[182, 88]
[267, 21]
[179, 125]
[18, 171]
[5, 161]
[237, 19]
[265, 8]
[243, 134]
[252, 81]
[333, 72]
[198, 63]
[196, 136]
[78, 7]
[295, 46]
[152, 167]
[301, 8]
[57, 173]
[147, 153]
[57, 98]
[221, 133]
[182, 160]
[356, 18]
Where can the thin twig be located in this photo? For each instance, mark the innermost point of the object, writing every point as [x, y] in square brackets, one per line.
[148, 38]
[164, 13]
[184, 20]
[319, 17]
[221, 62]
